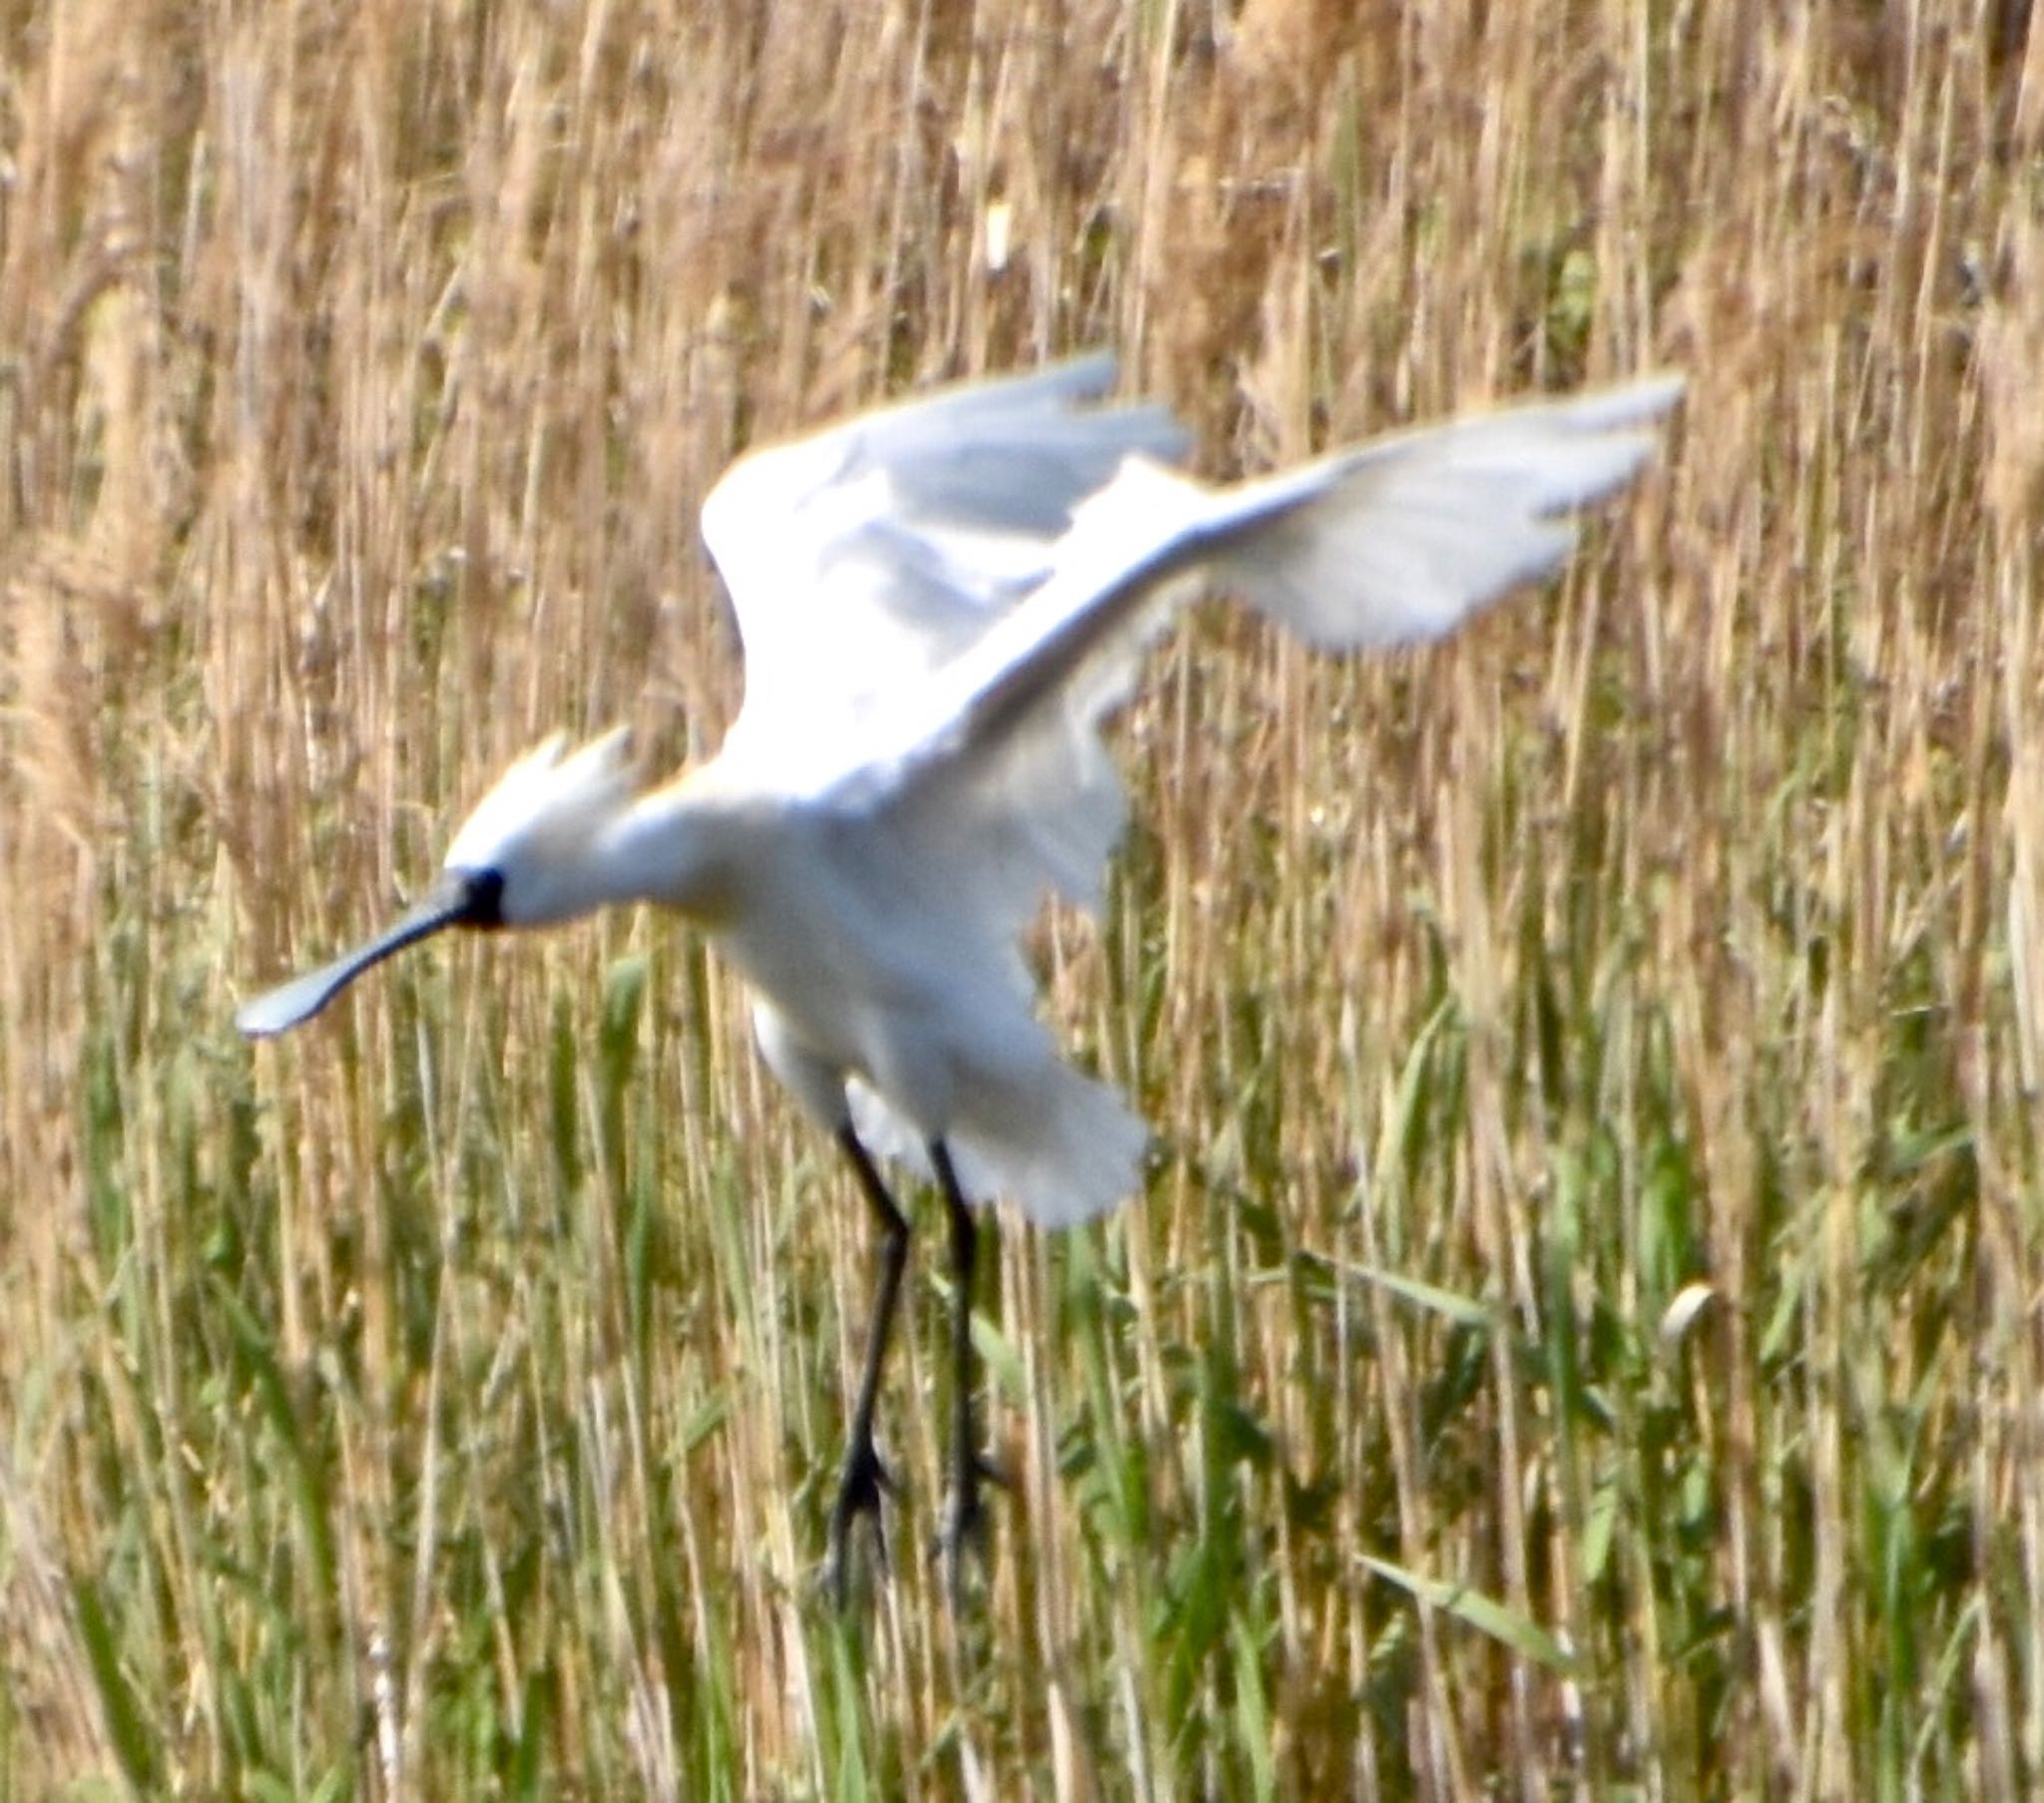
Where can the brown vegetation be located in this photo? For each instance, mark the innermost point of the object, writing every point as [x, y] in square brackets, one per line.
[1583, 1330]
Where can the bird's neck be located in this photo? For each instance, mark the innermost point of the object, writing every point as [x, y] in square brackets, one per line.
[675, 846]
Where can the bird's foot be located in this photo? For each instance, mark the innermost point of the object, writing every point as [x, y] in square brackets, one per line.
[861, 1490]
[966, 1520]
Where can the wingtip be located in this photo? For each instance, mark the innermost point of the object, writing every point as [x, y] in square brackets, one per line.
[1086, 375]
[1634, 401]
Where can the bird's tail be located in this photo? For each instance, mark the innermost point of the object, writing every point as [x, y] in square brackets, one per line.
[1072, 1154]
[1081, 1155]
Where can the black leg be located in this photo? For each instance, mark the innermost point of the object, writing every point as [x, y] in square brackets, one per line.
[965, 1523]
[864, 1477]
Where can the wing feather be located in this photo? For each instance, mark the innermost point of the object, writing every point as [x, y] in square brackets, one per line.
[996, 755]
[863, 558]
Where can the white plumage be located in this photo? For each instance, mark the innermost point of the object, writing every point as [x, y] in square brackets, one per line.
[939, 603]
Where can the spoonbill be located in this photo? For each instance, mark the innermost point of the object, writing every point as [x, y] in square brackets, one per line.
[939, 603]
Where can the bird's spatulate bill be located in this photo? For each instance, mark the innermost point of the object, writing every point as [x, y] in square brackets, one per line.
[451, 903]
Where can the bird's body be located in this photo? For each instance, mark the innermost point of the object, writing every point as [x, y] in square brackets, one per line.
[939, 604]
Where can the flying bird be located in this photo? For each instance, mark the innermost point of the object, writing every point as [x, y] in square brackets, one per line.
[939, 603]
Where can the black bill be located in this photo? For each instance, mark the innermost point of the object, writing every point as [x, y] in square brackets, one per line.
[460, 898]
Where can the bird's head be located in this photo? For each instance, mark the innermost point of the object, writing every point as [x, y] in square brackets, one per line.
[532, 843]
[527, 856]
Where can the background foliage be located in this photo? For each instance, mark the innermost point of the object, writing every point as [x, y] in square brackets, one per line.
[1582, 1333]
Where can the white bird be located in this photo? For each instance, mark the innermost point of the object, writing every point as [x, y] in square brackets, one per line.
[939, 603]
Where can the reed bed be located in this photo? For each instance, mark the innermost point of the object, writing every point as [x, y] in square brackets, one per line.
[1582, 1332]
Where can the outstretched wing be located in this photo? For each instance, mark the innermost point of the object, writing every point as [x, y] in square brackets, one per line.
[1381, 544]
[1386, 543]
[863, 557]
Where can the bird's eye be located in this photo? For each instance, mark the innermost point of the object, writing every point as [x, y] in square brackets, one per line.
[482, 899]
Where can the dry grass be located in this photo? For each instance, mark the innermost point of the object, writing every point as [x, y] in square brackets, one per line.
[447, 1403]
